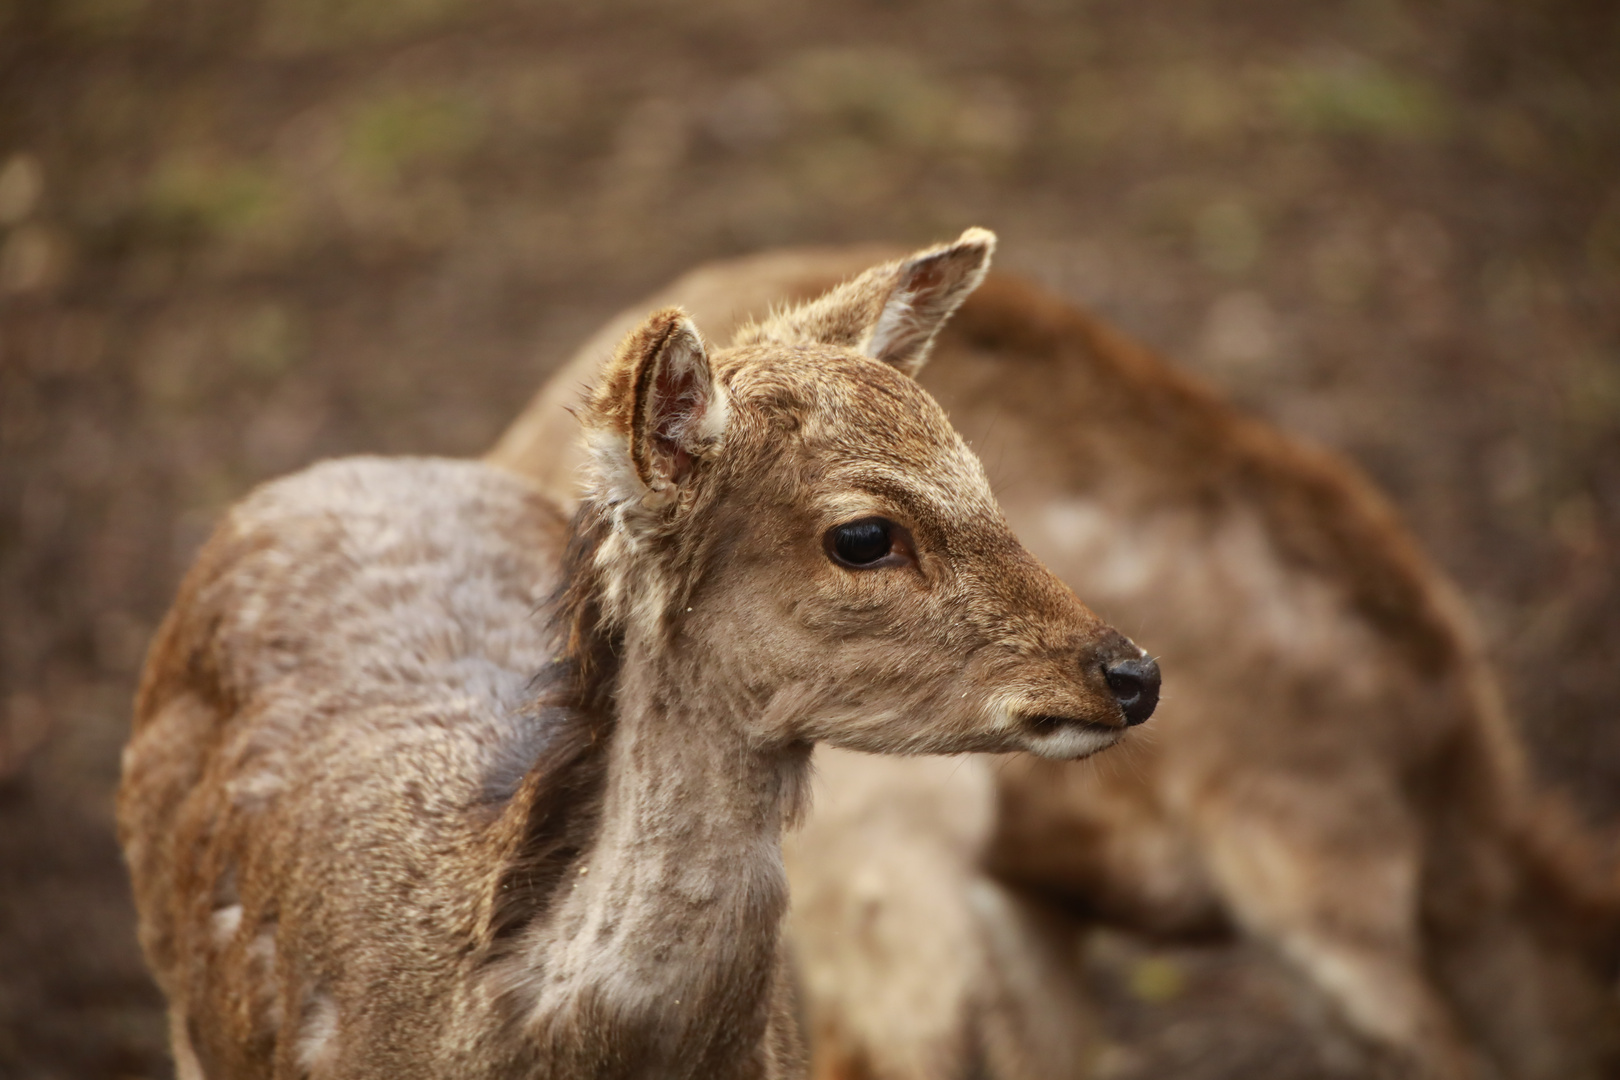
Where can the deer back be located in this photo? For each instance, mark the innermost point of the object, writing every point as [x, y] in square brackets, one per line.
[333, 722]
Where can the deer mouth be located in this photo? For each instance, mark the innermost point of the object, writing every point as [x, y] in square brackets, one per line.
[1067, 738]
[1051, 724]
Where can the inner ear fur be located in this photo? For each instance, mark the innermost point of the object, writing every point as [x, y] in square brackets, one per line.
[891, 312]
[658, 394]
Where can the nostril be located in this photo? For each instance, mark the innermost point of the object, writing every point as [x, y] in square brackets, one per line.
[1135, 684]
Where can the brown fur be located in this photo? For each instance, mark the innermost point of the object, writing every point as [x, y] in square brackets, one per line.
[1333, 773]
[368, 840]
[913, 963]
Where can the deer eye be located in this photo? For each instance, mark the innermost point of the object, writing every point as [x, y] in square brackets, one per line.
[861, 543]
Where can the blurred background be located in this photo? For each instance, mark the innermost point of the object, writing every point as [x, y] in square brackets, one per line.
[240, 235]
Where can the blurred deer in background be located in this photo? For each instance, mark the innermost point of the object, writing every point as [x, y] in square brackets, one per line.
[383, 821]
[1334, 776]
[912, 962]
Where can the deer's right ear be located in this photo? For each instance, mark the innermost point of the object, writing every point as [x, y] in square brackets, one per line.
[892, 312]
[659, 403]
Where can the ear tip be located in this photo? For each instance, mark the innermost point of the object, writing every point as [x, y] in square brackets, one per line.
[976, 237]
[969, 254]
[674, 317]
[671, 326]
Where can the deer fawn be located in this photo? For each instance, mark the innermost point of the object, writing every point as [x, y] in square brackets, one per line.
[1335, 775]
[385, 821]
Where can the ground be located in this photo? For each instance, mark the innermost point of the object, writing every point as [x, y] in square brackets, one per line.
[240, 235]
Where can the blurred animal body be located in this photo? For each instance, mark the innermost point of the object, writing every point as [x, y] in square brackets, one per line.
[368, 840]
[1333, 775]
[912, 962]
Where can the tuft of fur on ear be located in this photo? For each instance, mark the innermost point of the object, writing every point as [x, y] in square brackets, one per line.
[891, 312]
[656, 409]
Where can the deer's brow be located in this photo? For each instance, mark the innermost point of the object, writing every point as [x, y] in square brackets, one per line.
[919, 503]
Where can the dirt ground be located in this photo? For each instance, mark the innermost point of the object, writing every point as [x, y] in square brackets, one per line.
[240, 235]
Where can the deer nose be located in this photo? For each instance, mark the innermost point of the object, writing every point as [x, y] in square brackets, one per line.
[1135, 683]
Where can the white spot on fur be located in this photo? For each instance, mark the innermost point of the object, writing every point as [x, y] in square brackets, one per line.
[261, 975]
[224, 923]
[256, 790]
[1074, 525]
[317, 1034]
[1080, 527]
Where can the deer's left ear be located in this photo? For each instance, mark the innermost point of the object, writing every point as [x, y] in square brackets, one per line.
[928, 288]
[659, 396]
[891, 312]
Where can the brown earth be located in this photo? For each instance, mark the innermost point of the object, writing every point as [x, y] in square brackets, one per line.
[241, 235]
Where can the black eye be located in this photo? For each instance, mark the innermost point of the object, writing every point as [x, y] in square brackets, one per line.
[861, 543]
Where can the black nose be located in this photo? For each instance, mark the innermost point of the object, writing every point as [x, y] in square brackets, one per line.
[1135, 684]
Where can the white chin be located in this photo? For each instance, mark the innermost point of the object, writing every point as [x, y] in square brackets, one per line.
[1068, 743]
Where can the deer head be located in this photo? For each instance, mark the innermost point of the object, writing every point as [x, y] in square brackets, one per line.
[794, 517]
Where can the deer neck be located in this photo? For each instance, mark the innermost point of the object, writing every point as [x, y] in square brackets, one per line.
[693, 810]
[667, 929]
